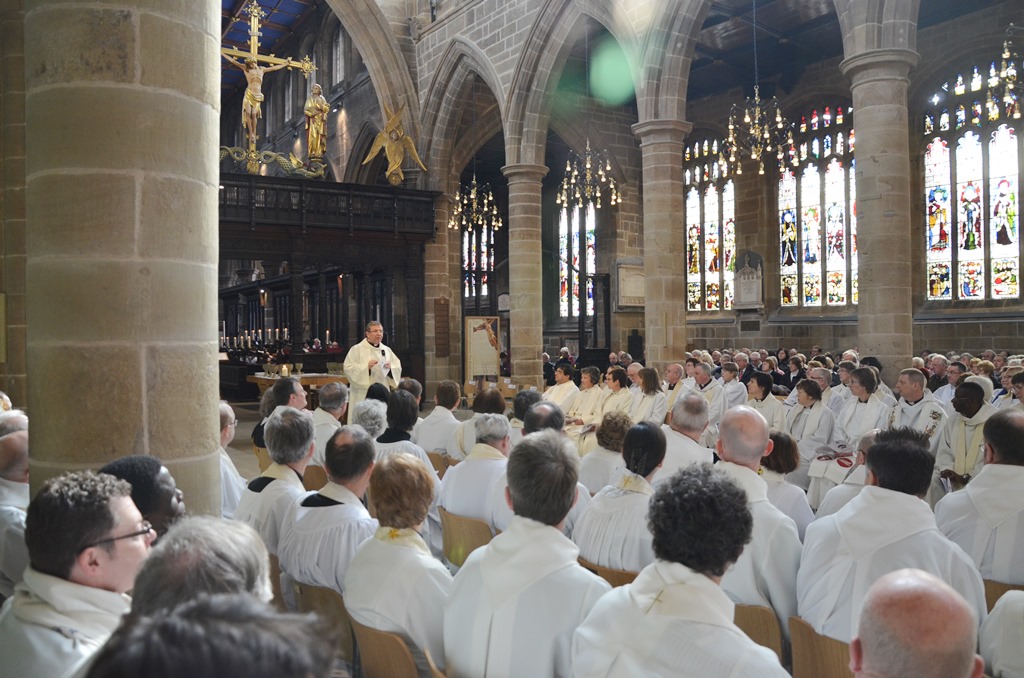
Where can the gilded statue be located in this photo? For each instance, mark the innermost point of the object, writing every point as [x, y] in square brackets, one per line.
[393, 140]
[316, 110]
[251, 109]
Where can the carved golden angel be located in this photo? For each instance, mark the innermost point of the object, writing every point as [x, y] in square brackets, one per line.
[393, 140]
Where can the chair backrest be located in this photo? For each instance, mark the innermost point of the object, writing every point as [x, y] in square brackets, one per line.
[434, 671]
[275, 583]
[439, 461]
[461, 536]
[314, 478]
[613, 577]
[469, 392]
[329, 606]
[815, 655]
[994, 590]
[262, 457]
[761, 626]
[383, 654]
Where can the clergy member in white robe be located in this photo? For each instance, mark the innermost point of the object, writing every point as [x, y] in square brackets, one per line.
[618, 399]
[987, 518]
[516, 602]
[674, 620]
[565, 391]
[586, 409]
[437, 428]
[491, 401]
[689, 419]
[917, 408]
[321, 532]
[862, 412]
[673, 386]
[733, 390]
[713, 393]
[613, 531]
[960, 453]
[878, 531]
[465, 486]
[393, 584]
[784, 495]
[759, 388]
[811, 425]
[999, 639]
[840, 495]
[371, 362]
[14, 499]
[329, 416]
[602, 466]
[232, 485]
[649, 402]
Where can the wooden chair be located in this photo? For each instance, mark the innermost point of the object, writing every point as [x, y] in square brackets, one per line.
[469, 392]
[314, 478]
[613, 577]
[815, 655]
[383, 654]
[994, 590]
[439, 461]
[761, 626]
[262, 457]
[329, 606]
[275, 583]
[434, 671]
[461, 536]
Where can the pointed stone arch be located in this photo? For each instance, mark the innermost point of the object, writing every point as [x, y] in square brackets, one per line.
[877, 24]
[667, 52]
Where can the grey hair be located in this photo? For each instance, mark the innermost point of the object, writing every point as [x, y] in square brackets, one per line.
[867, 440]
[543, 470]
[741, 355]
[202, 555]
[690, 413]
[705, 368]
[13, 420]
[289, 433]
[372, 415]
[333, 396]
[491, 428]
[822, 372]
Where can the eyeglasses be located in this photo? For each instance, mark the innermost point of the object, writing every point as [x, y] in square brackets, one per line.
[146, 529]
[233, 423]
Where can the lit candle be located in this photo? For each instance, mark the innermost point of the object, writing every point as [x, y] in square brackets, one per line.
[260, 334]
[328, 337]
[277, 333]
[286, 334]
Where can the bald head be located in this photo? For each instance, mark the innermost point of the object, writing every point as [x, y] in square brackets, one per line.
[743, 437]
[673, 373]
[633, 372]
[914, 624]
[14, 457]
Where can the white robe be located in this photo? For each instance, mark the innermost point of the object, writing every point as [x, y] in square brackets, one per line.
[926, 415]
[613, 531]
[51, 624]
[772, 410]
[840, 495]
[960, 448]
[463, 438]
[649, 407]
[501, 513]
[563, 395]
[14, 499]
[944, 394]
[232, 486]
[858, 418]
[1000, 637]
[265, 510]
[715, 396]
[600, 468]
[515, 604]
[465, 488]
[877, 532]
[360, 376]
[670, 622]
[765, 573]
[789, 499]
[812, 427]
[393, 584]
[672, 395]
[680, 451]
[436, 430]
[318, 542]
[324, 425]
[840, 394]
[587, 408]
[987, 521]
[735, 393]
[432, 527]
[622, 401]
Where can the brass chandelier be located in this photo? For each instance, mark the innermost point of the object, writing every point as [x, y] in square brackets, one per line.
[475, 209]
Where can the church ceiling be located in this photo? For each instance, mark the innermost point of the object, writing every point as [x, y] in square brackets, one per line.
[279, 24]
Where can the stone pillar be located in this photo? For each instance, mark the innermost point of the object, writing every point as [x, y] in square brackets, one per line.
[661, 144]
[526, 316]
[122, 110]
[885, 312]
[438, 286]
[12, 202]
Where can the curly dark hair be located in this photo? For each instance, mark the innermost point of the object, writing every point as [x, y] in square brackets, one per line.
[699, 518]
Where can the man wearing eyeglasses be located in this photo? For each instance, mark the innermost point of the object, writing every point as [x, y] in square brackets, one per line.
[86, 541]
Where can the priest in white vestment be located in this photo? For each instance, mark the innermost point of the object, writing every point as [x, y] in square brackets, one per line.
[674, 620]
[393, 584]
[987, 518]
[673, 387]
[438, 427]
[14, 499]
[371, 362]
[811, 425]
[886, 527]
[618, 399]
[862, 411]
[713, 393]
[464, 438]
[603, 465]
[944, 394]
[321, 532]
[649, 400]
[784, 495]
[960, 453]
[1000, 637]
[917, 408]
[840, 495]
[516, 602]
[733, 390]
[327, 418]
[689, 420]
[759, 388]
[565, 391]
[613, 531]
[232, 485]
[465, 486]
[586, 409]
[766, 572]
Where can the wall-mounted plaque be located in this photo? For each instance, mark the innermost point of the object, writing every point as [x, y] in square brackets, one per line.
[749, 286]
[631, 281]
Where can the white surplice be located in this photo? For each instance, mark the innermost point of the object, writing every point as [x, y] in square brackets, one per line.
[789, 499]
[672, 394]
[600, 468]
[877, 532]
[264, 510]
[621, 401]
[960, 448]
[840, 495]
[432, 527]
[515, 604]
[613, 531]
[463, 438]
[501, 514]
[681, 451]
[436, 430]
[232, 486]
[393, 584]
[465, 487]
[318, 542]
[650, 407]
[926, 415]
[587, 408]
[1000, 637]
[986, 520]
[765, 573]
[324, 425]
[735, 393]
[52, 624]
[772, 410]
[563, 395]
[670, 622]
[360, 376]
[858, 418]
[715, 397]
[14, 499]
[812, 428]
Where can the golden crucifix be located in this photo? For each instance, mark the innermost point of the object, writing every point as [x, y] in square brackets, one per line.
[254, 72]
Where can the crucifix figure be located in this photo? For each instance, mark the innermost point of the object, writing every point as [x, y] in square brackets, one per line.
[254, 71]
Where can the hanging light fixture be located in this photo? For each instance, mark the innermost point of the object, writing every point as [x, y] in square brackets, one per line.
[757, 129]
[475, 208]
[588, 176]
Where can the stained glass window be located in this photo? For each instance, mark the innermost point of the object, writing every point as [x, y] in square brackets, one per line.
[972, 185]
[818, 214]
[577, 259]
[710, 224]
[477, 262]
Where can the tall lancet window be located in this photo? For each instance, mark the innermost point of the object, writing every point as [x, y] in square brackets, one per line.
[577, 258]
[818, 213]
[710, 223]
[477, 261]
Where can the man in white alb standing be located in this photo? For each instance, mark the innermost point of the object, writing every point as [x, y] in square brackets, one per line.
[371, 362]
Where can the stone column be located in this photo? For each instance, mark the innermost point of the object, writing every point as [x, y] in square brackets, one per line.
[885, 313]
[526, 317]
[661, 144]
[437, 285]
[122, 112]
[12, 202]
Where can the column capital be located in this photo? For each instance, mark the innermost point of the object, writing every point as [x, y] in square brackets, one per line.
[875, 65]
[524, 172]
[662, 131]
